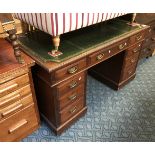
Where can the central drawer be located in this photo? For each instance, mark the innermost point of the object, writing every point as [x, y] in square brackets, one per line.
[108, 52]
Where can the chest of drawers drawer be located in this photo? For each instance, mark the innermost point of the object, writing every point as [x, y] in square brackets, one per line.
[15, 96]
[70, 84]
[18, 125]
[16, 106]
[13, 85]
[70, 69]
[71, 96]
[104, 54]
[71, 110]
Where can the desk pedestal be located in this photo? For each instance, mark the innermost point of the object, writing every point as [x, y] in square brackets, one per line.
[115, 72]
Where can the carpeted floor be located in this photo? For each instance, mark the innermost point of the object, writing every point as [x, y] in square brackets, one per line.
[124, 115]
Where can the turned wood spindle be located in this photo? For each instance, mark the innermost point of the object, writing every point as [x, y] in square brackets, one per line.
[17, 52]
[56, 43]
[133, 19]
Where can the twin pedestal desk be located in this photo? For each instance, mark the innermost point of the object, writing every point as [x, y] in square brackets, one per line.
[109, 52]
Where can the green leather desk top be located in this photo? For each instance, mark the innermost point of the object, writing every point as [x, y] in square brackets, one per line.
[38, 43]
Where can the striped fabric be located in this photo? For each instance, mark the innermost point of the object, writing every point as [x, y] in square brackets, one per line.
[59, 23]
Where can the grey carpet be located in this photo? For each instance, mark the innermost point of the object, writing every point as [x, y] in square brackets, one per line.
[124, 115]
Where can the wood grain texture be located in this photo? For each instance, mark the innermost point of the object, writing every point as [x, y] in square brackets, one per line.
[149, 42]
[18, 107]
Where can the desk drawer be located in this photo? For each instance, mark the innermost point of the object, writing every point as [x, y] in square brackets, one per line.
[71, 97]
[149, 32]
[136, 38]
[128, 71]
[13, 108]
[19, 124]
[106, 53]
[13, 85]
[70, 70]
[147, 41]
[15, 96]
[146, 52]
[70, 84]
[132, 60]
[71, 110]
[134, 49]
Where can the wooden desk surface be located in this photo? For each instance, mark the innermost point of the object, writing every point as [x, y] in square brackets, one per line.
[8, 60]
[9, 67]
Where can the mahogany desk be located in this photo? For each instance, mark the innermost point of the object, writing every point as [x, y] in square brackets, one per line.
[61, 87]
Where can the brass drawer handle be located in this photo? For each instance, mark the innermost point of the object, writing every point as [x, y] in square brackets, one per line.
[129, 72]
[100, 56]
[10, 99]
[147, 40]
[7, 112]
[72, 97]
[121, 46]
[139, 37]
[133, 60]
[73, 110]
[73, 84]
[8, 88]
[135, 50]
[72, 70]
[17, 126]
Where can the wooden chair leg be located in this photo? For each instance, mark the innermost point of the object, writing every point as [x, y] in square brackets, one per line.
[56, 43]
[13, 39]
[133, 22]
[133, 18]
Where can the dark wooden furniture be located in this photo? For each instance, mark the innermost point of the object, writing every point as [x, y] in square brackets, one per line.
[148, 46]
[18, 109]
[61, 87]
